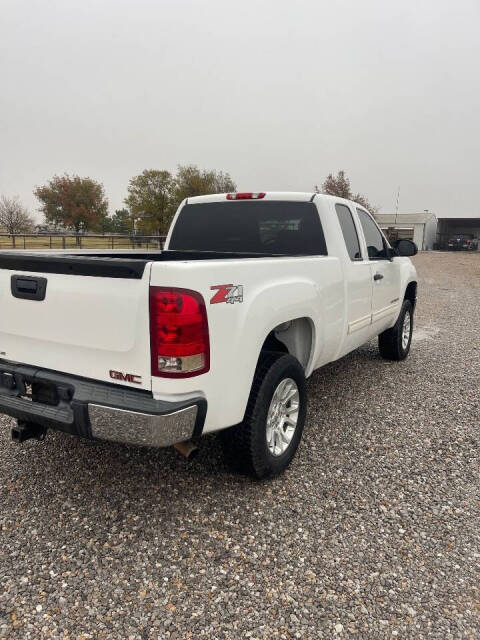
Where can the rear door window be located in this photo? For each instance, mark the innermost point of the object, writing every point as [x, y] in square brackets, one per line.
[264, 227]
[349, 231]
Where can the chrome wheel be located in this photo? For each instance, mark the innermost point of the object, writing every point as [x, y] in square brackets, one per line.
[406, 329]
[282, 416]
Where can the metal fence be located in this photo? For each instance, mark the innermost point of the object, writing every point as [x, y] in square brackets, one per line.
[80, 241]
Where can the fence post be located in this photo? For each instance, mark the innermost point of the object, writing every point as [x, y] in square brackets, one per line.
[24, 242]
[63, 242]
[13, 241]
[112, 242]
[50, 241]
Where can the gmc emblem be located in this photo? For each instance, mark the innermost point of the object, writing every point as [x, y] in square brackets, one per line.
[125, 377]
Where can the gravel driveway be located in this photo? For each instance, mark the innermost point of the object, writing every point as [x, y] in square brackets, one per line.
[373, 532]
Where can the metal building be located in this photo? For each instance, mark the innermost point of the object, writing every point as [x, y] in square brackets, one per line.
[419, 227]
[449, 227]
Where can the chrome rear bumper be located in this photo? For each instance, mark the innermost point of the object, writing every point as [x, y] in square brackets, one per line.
[131, 427]
[96, 410]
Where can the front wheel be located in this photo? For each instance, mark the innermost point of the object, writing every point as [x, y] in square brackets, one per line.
[264, 444]
[394, 343]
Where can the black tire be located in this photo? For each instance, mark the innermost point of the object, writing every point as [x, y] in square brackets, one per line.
[245, 445]
[390, 341]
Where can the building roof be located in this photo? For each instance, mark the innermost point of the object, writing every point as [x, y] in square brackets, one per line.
[461, 218]
[404, 218]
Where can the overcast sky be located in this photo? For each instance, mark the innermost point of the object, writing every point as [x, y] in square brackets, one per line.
[278, 93]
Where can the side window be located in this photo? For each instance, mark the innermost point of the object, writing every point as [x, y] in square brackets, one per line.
[349, 231]
[376, 247]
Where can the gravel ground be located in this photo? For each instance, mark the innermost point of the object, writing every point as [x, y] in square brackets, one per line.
[373, 532]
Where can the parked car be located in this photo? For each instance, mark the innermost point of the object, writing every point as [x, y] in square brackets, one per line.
[253, 292]
[463, 242]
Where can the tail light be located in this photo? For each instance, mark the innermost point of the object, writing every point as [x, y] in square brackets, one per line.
[245, 196]
[178, 333]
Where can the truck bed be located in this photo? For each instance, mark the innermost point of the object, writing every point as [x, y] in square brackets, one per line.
[107, 264]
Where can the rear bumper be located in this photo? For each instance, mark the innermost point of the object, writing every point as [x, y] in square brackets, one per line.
[96, 410]
[133, 427]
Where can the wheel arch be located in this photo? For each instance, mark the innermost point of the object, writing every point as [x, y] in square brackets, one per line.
[411, 293]
[296, 337]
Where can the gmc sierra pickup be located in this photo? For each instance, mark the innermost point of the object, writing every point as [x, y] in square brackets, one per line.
[253, 292]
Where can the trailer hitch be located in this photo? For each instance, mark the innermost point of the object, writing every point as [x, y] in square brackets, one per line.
[27, 430]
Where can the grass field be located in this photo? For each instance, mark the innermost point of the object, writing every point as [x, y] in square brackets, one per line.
[40, 241]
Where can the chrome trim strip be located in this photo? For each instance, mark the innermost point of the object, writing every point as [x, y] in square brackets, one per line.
[131, 427]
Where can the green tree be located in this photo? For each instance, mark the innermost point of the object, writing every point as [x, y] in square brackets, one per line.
[191, 181]
[121, 221]
[74, 203]
[154, 196]
[150, 200]
[106, 225]
[339, 185]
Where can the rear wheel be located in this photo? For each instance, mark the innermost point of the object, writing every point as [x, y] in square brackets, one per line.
[394, 343]
[264, 444]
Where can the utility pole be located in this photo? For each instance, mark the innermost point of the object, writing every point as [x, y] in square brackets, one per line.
[396, 206]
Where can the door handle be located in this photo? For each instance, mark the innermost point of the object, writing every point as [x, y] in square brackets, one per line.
[378, 276]
[28, 288]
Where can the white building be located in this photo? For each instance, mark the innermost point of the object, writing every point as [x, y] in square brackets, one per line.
[419, 227]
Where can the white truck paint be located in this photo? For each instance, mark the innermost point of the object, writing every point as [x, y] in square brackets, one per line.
[320, 307]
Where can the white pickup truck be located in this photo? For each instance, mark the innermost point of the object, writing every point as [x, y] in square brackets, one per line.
[253, 292]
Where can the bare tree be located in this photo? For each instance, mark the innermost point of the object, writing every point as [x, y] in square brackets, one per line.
[339, 185]
[14, 217]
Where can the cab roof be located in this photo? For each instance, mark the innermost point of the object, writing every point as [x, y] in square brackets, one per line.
[294, 196]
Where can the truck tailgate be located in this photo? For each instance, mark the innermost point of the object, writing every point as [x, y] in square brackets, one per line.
[94, 326]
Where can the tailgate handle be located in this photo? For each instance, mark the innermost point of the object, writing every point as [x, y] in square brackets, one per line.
[29, 288]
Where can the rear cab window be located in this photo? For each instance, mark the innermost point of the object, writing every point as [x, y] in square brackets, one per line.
[269, 227]
[349, 231]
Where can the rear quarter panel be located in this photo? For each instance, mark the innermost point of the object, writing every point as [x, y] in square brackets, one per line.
[274, 291]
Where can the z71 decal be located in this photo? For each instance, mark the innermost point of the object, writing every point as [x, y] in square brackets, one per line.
[229, 293]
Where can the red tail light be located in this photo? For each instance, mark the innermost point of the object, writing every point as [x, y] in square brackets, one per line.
[178, 333]
[245, 196]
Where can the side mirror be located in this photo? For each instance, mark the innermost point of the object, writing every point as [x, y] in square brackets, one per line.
[405, 248]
